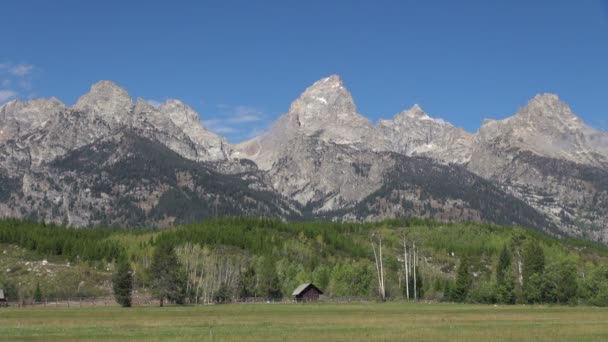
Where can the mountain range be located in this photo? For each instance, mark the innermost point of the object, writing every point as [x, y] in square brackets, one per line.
[112, 161]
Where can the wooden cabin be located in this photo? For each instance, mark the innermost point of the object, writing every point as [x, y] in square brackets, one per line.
[306, 293]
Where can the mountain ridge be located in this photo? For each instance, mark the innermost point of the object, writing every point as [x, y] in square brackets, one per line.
[321, 159]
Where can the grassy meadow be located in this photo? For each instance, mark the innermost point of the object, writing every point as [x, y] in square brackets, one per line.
[308, 322]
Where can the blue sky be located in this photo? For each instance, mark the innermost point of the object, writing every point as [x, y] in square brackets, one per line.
[241, 63]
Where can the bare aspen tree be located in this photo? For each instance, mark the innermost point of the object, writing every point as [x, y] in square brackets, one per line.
[406, 269]
[379, 267]
[415, 275]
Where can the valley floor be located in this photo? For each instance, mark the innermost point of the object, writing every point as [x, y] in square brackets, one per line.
[308, 322]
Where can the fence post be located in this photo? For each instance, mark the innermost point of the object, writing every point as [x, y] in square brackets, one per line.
[80, 299]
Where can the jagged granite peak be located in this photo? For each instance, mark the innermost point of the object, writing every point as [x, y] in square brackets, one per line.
[547, 127]
[142, 106]
[326, 111]
[188, 120]
[180, 113]
[21, 117]
[107, 100]
[45, 129]
[413, 132]
[548, 106]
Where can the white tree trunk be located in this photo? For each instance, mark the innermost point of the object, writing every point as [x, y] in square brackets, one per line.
[415, 275]
[407, 269]
[379, 267]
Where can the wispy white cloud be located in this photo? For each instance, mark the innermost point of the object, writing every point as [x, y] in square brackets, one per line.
[16, 80]
[154, 103]
[6, 95]
[243, 114]
[238, 122]
[21, 69]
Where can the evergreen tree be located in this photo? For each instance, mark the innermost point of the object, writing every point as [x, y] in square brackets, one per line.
[560, 282]
[38, 293]
[168, 279]
[534, 260]
[532, 272]
[505, 281]
[505, 291]
[122, 282]
[534, 288]
[267, 280]
[504, 263]
[464, 280]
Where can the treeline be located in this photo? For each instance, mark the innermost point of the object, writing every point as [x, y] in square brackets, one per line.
[72, 243]
[231, 258]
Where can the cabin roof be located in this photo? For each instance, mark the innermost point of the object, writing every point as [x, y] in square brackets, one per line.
[304, 287]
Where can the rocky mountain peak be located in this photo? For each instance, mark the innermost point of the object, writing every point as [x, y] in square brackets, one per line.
[143, 106]
[547, 106]
[414, 113]
[180, 113]
[106, 99]
[414, 132]
[326, 100]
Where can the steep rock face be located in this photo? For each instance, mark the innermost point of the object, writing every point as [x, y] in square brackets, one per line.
[421, 187]
[128, 180]
[43, 130]
[19, 118]
[108, 102]
[573, 196]
[414, 133]
[326, 111]
[547, 127]
[325, 176]
[548, 157]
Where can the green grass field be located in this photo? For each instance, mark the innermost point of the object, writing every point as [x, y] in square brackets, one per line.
[308, 322]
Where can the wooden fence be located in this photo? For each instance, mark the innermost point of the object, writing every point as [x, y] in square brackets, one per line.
[144, 300]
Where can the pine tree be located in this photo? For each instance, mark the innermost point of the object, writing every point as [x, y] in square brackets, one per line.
[505, 281]
[122, 282]
[534, 260]
[464, 280]
[168, 279]
[504, 263]
[533, 269]
[38, 293]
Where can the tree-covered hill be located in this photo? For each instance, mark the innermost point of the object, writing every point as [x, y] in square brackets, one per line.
[234, 258]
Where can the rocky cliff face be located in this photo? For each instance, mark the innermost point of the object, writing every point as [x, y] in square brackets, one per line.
[111, 161]
[414, 133]
[547, 127]
[548, 157]
[43, 130]
[326, 110]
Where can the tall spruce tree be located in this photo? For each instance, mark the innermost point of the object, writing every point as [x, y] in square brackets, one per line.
[505, 281]
[532, 272]
[464, 280]
[38, 293]
[122, 282]
[504, 263]
[168, 278]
